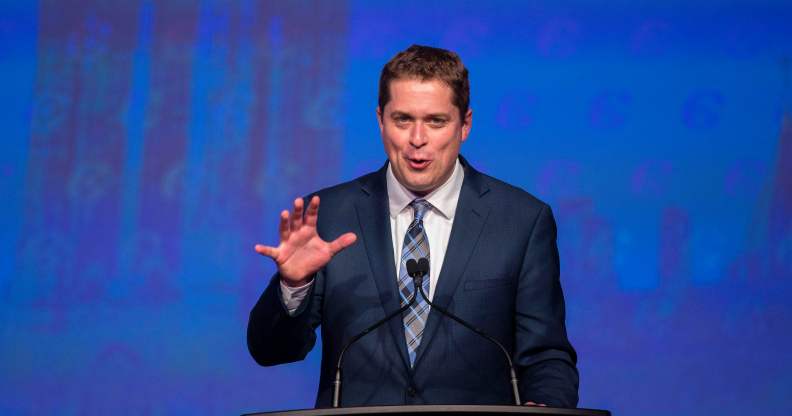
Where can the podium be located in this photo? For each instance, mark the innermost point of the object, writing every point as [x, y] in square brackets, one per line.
[470, 410]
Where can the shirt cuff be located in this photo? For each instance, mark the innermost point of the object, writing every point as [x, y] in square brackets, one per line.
[293, 296]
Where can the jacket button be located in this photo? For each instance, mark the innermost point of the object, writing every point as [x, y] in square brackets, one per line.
[411, 391]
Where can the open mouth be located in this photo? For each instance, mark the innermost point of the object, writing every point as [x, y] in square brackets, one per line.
[418, 164]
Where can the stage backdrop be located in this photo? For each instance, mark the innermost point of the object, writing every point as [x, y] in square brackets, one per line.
[147, 145]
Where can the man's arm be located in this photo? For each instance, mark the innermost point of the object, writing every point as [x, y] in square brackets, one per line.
[544, 357]
[275, 334]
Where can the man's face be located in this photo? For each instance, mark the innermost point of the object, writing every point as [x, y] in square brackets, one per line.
[422, 132]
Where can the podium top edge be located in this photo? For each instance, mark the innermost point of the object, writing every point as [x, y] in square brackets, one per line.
[437, 409]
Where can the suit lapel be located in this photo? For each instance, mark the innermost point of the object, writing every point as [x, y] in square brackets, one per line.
[373, 215]
[471, 215]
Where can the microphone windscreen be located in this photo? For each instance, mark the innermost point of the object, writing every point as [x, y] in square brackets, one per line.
[423, 265]
[412, 267]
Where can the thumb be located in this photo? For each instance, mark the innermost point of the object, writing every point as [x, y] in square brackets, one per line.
[268, 251]
[342, 242]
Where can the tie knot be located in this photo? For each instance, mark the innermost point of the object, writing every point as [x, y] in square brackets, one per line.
[420, 207]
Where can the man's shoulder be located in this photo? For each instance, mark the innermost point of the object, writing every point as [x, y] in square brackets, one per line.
[516, 196]
[349, 190]
[512, 208]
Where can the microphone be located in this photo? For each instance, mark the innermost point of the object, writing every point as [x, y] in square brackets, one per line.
[420, 268]
[417, 270]
[413, 271]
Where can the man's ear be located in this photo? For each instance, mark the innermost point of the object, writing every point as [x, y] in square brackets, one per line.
[467, 122]
[379, 118]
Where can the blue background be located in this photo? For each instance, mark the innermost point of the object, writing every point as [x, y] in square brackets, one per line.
[148, 145]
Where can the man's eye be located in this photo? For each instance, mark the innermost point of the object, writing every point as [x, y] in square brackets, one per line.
[437, 122]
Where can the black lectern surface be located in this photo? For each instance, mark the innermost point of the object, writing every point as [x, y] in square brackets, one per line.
[439, 410]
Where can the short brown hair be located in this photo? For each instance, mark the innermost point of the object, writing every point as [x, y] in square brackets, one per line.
[427, 63]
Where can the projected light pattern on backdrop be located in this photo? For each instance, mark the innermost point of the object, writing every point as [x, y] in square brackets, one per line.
[149, 145]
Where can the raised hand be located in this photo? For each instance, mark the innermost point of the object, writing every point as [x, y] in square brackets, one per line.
[301, 251]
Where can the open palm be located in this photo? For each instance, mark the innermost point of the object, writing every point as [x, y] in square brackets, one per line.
[301, 251]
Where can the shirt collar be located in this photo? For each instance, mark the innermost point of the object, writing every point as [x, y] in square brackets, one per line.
[443, 199]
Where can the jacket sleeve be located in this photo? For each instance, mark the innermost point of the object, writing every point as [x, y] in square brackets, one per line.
[273, 336]
[544, 358]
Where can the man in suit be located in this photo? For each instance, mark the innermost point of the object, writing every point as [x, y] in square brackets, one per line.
[491, 249]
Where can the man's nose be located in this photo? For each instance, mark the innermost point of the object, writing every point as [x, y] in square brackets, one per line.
[418, 135]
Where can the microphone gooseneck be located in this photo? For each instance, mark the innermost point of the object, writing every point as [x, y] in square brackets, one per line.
[414, 270]
[417, 270]
[422, 267]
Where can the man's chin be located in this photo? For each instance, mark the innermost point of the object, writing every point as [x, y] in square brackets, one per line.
[419, 188]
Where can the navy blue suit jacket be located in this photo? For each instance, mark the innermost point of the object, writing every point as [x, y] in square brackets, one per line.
[500, 273]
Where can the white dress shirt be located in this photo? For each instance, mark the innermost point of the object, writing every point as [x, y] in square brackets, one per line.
[437, 225]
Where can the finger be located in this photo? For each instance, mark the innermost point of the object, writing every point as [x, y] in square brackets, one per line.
[283, 227]
[268, 251]
[297, 214]
[312, 213]
[342, 242]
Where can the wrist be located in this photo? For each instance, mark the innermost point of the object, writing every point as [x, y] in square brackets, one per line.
[298, 283]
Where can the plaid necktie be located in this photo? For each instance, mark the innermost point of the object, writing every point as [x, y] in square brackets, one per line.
[416, 245]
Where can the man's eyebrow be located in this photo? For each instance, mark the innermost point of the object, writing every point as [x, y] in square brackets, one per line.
[400, 114]
[439, 115]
